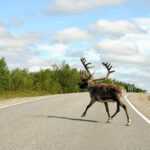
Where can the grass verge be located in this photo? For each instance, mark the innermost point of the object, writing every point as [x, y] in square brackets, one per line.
[18, 94]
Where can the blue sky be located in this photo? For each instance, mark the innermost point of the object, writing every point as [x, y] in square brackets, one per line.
[35, 34]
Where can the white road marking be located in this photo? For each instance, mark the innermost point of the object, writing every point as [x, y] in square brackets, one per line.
[28, 101]
[139, 113]
[20, 103]
[1, 107]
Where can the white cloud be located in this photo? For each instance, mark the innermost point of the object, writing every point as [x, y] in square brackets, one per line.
[131, 50]
[144, 78]
[116, 47]
[140, 78]
[143, 46]
[18, 48]
[144, 75]
[92, 55]
[115, 29]
[4, 33]
[71, 35]
[141, 40]
[130, 54]
[19, 44]
[30, 37]
[59, 7]
[132, 61]
[142, 21]
[36, 61]
[56, 50]
[36, 64]
[17, 22]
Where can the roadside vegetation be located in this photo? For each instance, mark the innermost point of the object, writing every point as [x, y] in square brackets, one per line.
[63, 79]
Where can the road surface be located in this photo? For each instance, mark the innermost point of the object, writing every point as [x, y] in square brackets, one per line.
[54, 123]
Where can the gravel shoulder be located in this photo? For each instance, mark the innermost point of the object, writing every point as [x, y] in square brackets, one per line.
[141, 101]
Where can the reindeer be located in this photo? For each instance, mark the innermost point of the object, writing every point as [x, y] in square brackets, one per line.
[103, 92]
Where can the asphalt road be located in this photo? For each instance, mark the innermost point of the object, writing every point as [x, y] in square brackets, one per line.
[54, 123]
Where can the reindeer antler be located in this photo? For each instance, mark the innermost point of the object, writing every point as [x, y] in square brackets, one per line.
[108, 67]
[86, 66]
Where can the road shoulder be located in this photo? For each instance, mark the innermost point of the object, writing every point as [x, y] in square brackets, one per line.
[141, 101]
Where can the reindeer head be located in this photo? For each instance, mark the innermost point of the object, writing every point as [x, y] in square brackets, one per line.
[88, 79]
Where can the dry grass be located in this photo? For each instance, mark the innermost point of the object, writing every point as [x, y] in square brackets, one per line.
[142, 102]
[25, 93]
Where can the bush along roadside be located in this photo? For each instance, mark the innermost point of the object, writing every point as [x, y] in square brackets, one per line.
[62, 79]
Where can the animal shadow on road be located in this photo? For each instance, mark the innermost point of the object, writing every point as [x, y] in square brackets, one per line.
[68, 118]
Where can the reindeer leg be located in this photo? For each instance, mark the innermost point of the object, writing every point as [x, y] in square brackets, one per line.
[90, 104]
[118, 109]
[128, 119]
[107, 109]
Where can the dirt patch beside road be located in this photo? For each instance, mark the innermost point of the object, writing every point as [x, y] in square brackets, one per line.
[141, 101]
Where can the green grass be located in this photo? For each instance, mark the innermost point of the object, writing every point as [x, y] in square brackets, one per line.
[24, 93]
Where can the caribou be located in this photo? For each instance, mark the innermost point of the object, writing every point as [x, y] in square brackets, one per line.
[100, 92]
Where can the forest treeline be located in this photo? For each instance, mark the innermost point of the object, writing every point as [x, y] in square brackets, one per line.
[63, 79]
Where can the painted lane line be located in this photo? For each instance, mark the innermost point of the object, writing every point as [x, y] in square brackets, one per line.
[139, 113]
[28, 101]
[1, 107]
[20, 103]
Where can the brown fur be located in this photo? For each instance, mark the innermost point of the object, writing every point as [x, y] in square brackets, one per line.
[106, 93]
[103, 92]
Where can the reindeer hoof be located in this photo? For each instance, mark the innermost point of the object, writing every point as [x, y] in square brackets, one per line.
[109, 120]
[129, 122]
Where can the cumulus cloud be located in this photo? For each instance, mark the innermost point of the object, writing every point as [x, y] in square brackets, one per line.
[141, 40]
[30, 37]
[59, 7]
[116, 47]
[56, 50]
[92, 55]
[115, 29]
[71, 35]
[36, 64]
[18, 48]
[4, 33]
[139, 78]
[19, 44]
[142, 21]
[132, 61]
